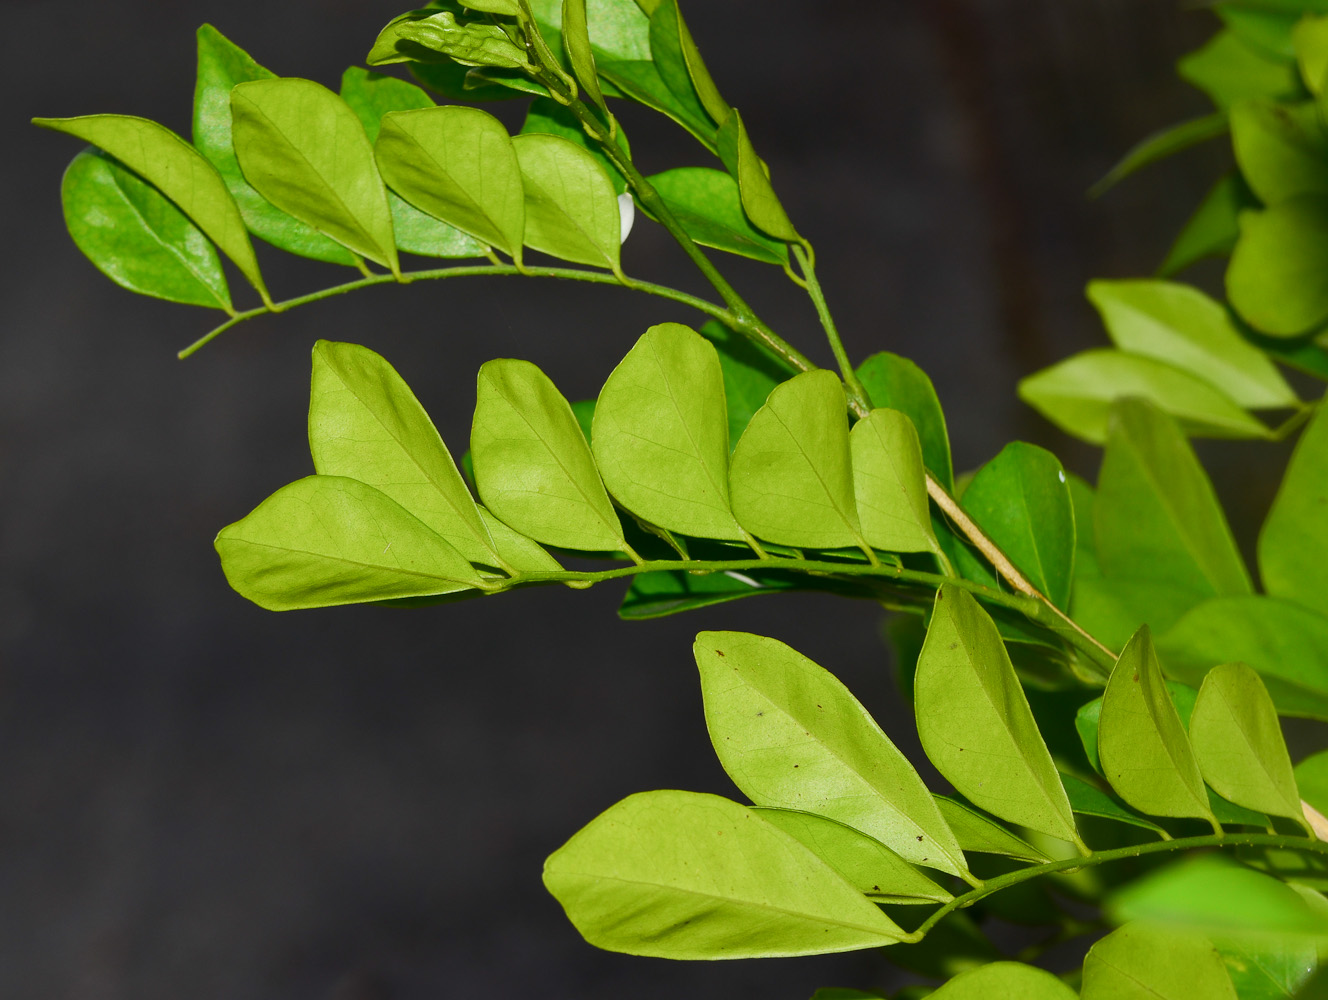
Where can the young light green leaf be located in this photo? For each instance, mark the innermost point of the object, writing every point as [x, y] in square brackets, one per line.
[1238, 743]
[1145, 754]
[576, 42]
[1281, 149]
[1286, 644]
[1156, 516]
[1275, 278]
[370, 96]
[1088, 800]
[661, 434]
[1181, 325]
[137, 237]
[1158, 146]
[366, 424]
[707, 205]
[305, 151]
[979, 835]
[1229, 70]
[533, 467]
[691, 876]
[1004, 979]
[1076, 395]
[459, 165]
[1213, 229]
[895, 381]
[570, 206]
[1021, 500]
[791, 475]
[759, 200]
[790, 735]
[327, 540]
[221, 65]
[889, 483]
[1293, 543]
[1144, 961]
[870, 866]
[178, 171]
[975, 724]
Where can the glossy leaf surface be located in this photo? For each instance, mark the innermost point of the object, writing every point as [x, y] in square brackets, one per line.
[975, 724]
[571, 209]
[671, 44]
[1160, 145]
[1293, 543]
[1276, 276]
[1143, 961]
[790, 735]
[898, 383]
[889, 483]
[691, 876]
[708, 206]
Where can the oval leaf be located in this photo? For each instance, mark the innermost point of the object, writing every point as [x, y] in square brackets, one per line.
[791, 735]
[975, 724]
[1004, 979]
[661, 434]
[707, 205]
[570, 205]
[1151, 962]
[137, 237]
[889, 483]
[304, 150]
[326, 540]
[1276, 278]
[533, 467]
[1212, 230]
[759, 200]
[1293, 543]
[691, 876]
[1281, 148]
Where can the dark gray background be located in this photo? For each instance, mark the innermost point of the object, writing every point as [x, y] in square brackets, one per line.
[202, 799]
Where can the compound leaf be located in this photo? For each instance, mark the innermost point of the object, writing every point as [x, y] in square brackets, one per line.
[1088, 800]
[571, 209]
[576, 42]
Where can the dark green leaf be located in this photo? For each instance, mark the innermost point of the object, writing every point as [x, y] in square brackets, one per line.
[1154, 962]
[1228, 71]
[979, 835]
[1213, 229]
[463, 83]
[759, 200]
[571, 209]
[707, 205]
[1278, 276]
[895, 381]
[1293, 544]
[1265, 25]
[1158, 146]
[1088, 800]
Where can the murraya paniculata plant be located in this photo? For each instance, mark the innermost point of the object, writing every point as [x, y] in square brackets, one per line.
[1092, 668]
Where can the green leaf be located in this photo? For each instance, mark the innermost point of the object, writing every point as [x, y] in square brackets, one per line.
[1293, 543]
[1156, 516]
[640, 81]
[459, 165]
[619, 29]
[895, 381]
[1181, 325]
[658, 594]
[1144, 752]
[661, 434]
[1266, 968]
[326, 540]
[1265, 25]
[979, 835]
[1076, 395]
[549, 117]
[1088, 800]
[370, 96]
[750, 375]
[305, 151]
[679, 62]
[759, 200]
[791, 475]
[1213, 229]
[464, 83]
[790, 735]
[1310, 40]
[1087, 717]
[975, 724]
[576, 42]
[889, 483]
[871, 867]
[1311, 776]
[221, 65]
[1281, 149]
[1142, 961]
[1021, 500]
[1238, 743]
[691, 876]
[1004, 979]
[1286, 644]
[571, 209]
[366, 424]
[137, 237]
[1278, 276]
[708, 206]
[178, 171]
[439, 34]
[533, 467]
[1228, 71]
[1158, 146]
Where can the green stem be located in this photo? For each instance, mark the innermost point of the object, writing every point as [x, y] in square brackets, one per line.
[857, 393]
[993, 885]
[472, 270]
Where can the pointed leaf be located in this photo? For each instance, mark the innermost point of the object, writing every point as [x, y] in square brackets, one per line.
[305, 151]
[137, 237]
[679, 63]
[459, 165]
[1145, 753]
[791, 735]
[1228, 70]
[889, 483]
[691, 876]
[533, 466]
[1276, 276]
[1152, 962]
[221, 65]
[791, 475]
[178, 171]
[706, 91]
[1004, 979]
[1087, 800]
[1181, 325]
[759, 200]
[707, 205]
[1238, 742]
[1158, 146]
[1293, 543]
[1213, 229]
[980, 835]
[576, 42]
[327, 540]
[871, 867]
[571, 209]
[896, 382]
[975, 724]
[661, 434]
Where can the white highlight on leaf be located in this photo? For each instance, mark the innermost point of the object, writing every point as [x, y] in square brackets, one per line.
[626, 214]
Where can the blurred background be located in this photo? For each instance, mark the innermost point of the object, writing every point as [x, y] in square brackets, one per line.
[202, 799]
